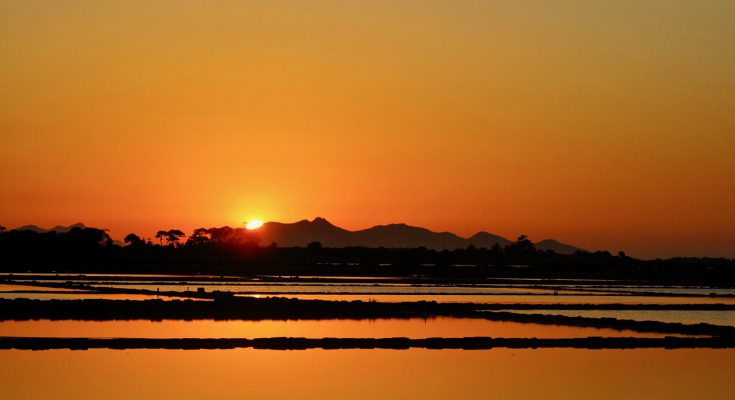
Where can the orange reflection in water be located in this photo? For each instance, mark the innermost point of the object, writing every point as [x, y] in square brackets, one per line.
[413, 328]
[10, 288]
[369, 374]
[92, 295]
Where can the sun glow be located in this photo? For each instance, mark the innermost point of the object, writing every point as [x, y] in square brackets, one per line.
[254, 224]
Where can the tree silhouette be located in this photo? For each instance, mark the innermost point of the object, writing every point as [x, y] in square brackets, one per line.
[199, 237]
[522, 246]
[2, 228]
[232, 237]
[133, 240]
[226, 250]
[160, 235]
[173, 235]
[86, 238]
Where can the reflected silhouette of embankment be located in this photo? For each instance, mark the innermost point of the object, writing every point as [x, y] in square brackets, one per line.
[284, 309]
[469, 343]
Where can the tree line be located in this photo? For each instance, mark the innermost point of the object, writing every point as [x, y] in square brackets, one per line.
[238, 251]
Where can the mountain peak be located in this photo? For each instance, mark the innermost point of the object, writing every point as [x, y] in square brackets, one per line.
[483, 235]
[487, 240]
[321, 221]
[556, 246]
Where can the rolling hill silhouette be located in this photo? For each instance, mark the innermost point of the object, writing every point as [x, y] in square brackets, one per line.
[301, 233]
[57, 229]
[556, 247]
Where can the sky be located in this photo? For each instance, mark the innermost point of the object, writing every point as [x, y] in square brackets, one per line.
[604, 124]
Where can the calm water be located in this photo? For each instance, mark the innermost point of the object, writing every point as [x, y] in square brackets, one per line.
[399, 288]
[35, 275]
[533, 291]
[22, 288]
[368, 374]
[379, 328]
[443, 298]
[562, 374]
[88, 295]
[353, 288]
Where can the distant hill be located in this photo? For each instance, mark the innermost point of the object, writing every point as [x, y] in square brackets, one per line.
[303, 232]
[402, 235]
[57, 229]
[487, 240]
[556, 247]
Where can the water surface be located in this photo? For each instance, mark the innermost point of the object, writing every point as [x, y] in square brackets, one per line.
[88, 296]
[553, 374]
[31, 288]
[414, 328]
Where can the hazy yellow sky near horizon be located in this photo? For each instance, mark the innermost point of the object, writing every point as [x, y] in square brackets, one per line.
[606, 124]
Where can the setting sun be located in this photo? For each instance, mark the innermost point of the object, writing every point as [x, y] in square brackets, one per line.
[254, 224]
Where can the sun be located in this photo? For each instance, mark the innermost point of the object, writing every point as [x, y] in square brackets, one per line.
[254, 224]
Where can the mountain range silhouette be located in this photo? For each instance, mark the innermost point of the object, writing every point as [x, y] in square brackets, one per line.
[301, 233]
[57, 228]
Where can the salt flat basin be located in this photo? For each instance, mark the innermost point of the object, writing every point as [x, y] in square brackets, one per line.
[327, 288]
[285, 287]
[680, 316]
[508, 299]
[551, 374]
[68, 276]
[377, 328]
[31, 288]
[90, 295]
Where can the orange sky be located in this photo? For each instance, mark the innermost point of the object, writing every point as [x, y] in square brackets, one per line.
[605, 124]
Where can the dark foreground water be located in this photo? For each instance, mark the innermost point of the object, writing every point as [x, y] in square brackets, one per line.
[368, 374]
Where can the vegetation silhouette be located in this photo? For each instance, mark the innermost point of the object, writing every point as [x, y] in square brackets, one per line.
[172, 237]
[133, 240]
[399, 343]
[237, 251]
